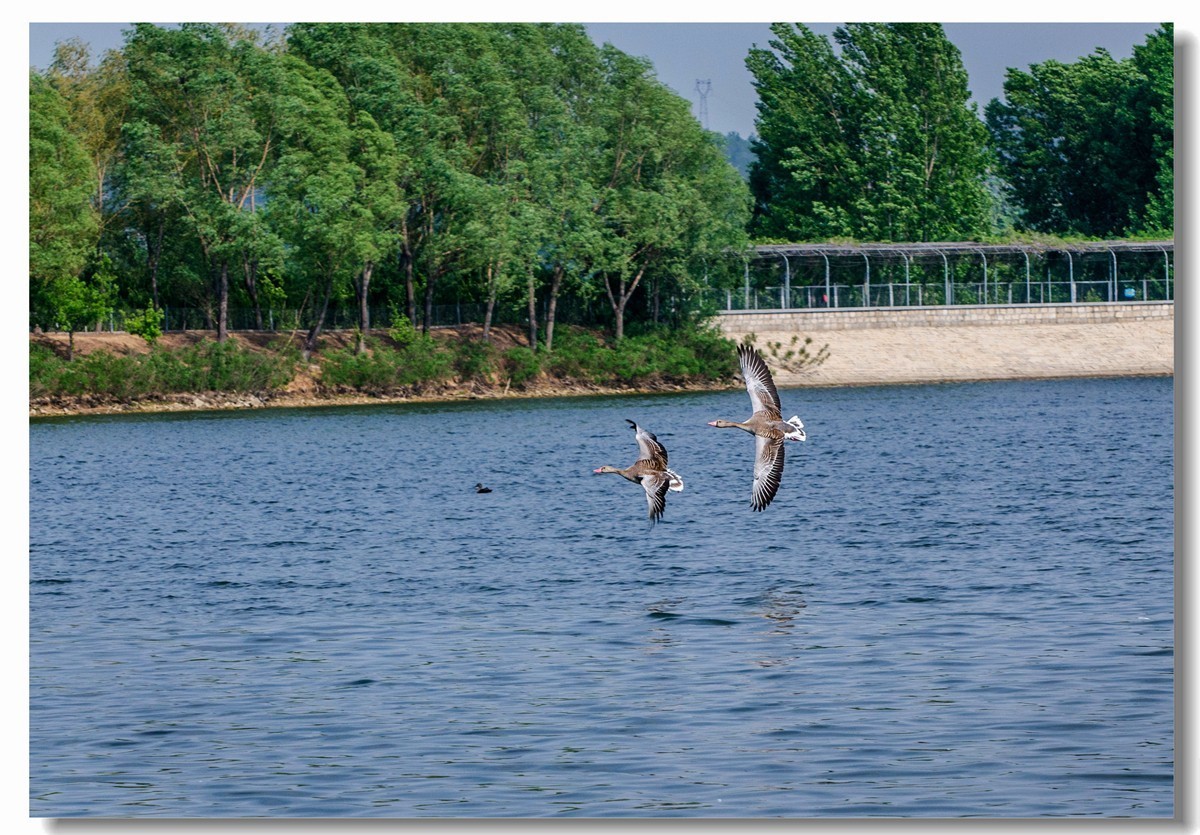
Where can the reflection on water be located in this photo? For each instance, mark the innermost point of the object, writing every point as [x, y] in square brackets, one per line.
[313, 613]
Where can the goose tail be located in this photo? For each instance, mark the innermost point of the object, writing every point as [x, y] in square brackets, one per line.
[676, 482]
[797, 434]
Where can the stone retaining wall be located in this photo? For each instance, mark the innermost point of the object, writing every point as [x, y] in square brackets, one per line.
[933, 344]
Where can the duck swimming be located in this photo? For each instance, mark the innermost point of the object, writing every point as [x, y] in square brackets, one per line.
[479, 488]
[650, 471]
[767, 426]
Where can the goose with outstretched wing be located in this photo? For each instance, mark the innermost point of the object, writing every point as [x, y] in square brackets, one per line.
[766, 424]
[650, 471]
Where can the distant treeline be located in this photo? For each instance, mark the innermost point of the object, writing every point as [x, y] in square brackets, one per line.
[522, 167]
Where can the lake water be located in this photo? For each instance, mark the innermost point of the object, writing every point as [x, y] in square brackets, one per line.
[959, 604]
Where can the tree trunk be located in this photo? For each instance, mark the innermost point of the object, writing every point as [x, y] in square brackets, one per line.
[532, 311]
[364, 312]
[223, 302]
[154, 255]
[410, 294]
[491, 304]
[430, 281]
[655, 305]
[552, 306]
[250, 267]
[310, 341]
[621, 298]
[70, 345]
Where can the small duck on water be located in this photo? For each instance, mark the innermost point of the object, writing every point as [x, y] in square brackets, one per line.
[767, 426]
[479, 488]
[650, 471]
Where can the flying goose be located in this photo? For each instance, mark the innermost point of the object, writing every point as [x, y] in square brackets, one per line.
[650, 471]
[767, 426]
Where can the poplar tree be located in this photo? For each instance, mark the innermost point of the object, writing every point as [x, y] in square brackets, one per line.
[1087, 147]
[879, 142]
[201, 101]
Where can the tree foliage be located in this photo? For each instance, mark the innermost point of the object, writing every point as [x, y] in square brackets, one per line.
[524, 168]
[1087, 148]
[874, 140]
[62, 220]
[373, 164]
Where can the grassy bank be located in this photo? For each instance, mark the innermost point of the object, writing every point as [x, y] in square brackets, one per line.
[122, 370]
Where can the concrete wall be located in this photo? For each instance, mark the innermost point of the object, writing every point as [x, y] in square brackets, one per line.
[937, 344]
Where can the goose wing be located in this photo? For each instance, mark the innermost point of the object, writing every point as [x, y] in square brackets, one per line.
[763, 394]
[768, 470]
[656, 484]
[650, 448]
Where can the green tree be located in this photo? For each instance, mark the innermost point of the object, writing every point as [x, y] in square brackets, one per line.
[806, 171]
[738, 152]
[1155, 61]
[314, 187]
[203, 99]
[381, 207]
[878, 142]
[76, 302]
[1082, 145]
[62, 222]
[924, 147]
[97, 100]
[665, 189]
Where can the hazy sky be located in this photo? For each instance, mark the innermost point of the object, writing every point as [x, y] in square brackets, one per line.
[683, 53]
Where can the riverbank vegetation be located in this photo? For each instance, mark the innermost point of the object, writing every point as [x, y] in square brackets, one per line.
[119, 370]
[372, 176]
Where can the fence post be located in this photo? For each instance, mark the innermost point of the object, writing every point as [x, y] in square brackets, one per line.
[1112, 294]
[1071, 274]
[786, 297]
[867, 282]
[946, 278]
[983, 255]
[827, 297]
[1027, 288]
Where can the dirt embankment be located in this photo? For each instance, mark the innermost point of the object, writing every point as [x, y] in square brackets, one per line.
[304, 388]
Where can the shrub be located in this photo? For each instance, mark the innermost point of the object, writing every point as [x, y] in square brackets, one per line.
[45, 367]
[520, 364]
[386, 369]
[402, 331]
[148, 324]
[206, 366]
[680, 354]
[474, 358]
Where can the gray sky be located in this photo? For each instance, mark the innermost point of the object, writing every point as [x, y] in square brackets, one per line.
[683, 53]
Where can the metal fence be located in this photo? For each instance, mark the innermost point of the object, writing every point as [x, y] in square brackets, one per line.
[907, 294]
[799, 276]
[284, 320]
[807, 276]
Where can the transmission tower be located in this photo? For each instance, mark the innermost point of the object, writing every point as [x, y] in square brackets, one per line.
[704, 87]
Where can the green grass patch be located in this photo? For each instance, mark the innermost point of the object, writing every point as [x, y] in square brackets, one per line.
[206, 366]
[654, 355]
[385, 369]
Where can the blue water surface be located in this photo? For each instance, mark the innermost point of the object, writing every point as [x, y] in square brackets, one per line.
[959, 604]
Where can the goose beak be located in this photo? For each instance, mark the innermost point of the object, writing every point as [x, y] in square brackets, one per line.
[597, 470]
[712, 423]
